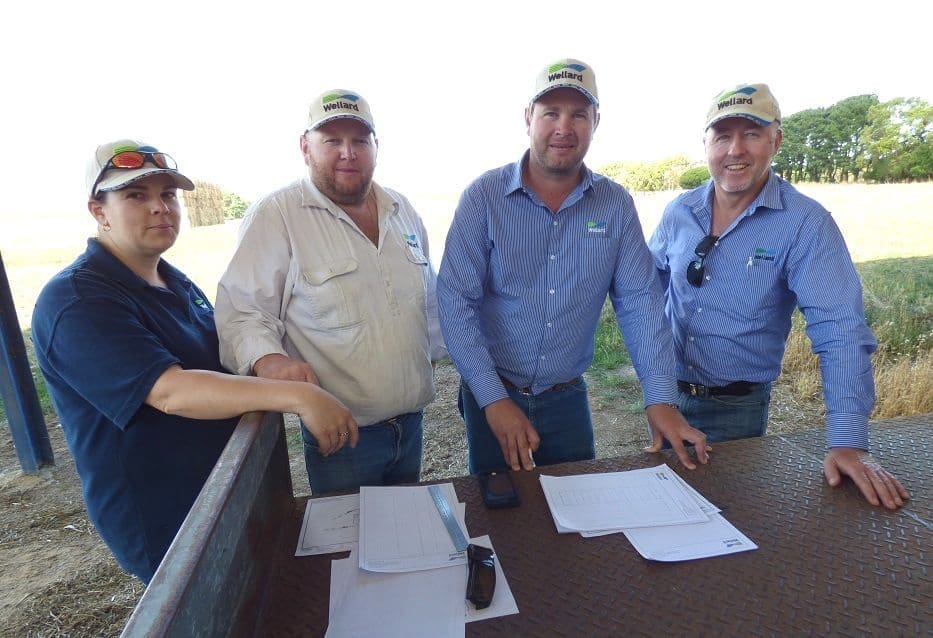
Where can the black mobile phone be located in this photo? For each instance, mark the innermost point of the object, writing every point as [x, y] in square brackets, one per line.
[498, 490]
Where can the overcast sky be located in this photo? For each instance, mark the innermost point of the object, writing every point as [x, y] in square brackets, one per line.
[224, 87]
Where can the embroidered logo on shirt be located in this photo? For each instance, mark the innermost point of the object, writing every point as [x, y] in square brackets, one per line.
[765, 254]
[595, 227]
[201, 303]
[411, 240]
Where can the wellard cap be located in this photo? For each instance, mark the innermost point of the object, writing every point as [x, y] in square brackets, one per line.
[751, 101]
[338, 103]
[567, 73]
[107, 171]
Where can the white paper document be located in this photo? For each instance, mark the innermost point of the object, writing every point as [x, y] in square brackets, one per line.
[331, 524]
[614, 500]
[653, 539]
[715, 537]
[708, 508]
[423, 603]
[417, 604]
[401, 530]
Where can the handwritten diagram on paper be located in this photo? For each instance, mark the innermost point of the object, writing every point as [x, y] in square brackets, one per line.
[331, 524]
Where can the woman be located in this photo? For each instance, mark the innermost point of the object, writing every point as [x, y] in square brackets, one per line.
[128, 348]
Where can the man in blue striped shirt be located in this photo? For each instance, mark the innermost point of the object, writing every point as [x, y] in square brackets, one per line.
[533, 250]
[737, 255]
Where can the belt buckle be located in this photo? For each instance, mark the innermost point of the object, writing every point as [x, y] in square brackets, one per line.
[697, 390]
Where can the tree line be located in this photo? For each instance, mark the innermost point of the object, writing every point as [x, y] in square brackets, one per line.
[856, 139]
[859, 138]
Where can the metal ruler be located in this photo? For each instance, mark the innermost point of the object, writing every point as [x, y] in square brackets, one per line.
[447, 516]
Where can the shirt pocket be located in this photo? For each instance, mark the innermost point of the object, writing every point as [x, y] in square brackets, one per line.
[414, 282]
[598, 255]
[328, 294]
[764, 288]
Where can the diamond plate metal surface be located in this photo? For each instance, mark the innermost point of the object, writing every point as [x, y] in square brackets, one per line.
[828, 563]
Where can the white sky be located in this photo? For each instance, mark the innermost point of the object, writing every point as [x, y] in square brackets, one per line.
[224, 87]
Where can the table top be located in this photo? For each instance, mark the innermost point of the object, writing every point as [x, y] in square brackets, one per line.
[828, 563]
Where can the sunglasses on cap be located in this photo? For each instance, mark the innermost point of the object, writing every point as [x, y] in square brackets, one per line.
[135, 159]
[695, 268]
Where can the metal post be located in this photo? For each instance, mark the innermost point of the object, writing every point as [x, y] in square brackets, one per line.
[17, 389]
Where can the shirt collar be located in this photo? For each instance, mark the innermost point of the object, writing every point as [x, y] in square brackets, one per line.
[109, 265]
[769, 196]
[514, 175]
[311, 197]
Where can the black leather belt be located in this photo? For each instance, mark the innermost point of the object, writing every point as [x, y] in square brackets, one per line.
[527, 391]
[734, 389]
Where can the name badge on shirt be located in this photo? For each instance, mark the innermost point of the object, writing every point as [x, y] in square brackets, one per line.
[415, 254]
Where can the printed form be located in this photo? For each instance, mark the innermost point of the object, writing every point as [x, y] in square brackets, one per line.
[714, 536]
[613, 500]
[401, 531]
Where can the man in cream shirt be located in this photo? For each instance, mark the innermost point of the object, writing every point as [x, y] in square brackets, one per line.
[331, 283]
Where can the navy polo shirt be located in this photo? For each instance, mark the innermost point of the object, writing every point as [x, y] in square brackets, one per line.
[103, 336]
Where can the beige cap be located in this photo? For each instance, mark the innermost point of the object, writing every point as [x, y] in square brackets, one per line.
[338, 103]
[752, 101]
[104, 175]
[567, 73]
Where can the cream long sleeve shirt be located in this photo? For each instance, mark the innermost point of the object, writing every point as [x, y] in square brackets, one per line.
[304, 281]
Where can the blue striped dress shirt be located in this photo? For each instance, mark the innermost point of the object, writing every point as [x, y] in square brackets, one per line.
[520, 289]
[783, 251]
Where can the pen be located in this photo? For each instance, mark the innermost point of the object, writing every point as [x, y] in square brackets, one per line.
[531, 458]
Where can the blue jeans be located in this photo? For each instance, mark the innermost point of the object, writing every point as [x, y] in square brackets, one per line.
[561, 417]
[724, 418]
[387, 453]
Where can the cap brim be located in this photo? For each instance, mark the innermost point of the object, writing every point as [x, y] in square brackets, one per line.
[589, 96]
[748, 116]
[119, 178]
[341, 116]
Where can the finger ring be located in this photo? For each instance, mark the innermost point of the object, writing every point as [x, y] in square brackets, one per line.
[344, 434]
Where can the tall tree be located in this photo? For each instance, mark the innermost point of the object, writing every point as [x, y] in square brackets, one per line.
[899, 140]
[847, 118]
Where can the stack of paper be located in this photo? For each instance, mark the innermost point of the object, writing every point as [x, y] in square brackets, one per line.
[404, 576]
[661, 515]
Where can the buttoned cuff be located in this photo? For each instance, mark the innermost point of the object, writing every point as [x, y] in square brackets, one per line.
[847, 430]
[659, 389]
[487, 388]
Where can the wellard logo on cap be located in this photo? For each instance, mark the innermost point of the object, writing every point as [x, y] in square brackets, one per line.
[752, 101]
[567, 73]
[336, 104]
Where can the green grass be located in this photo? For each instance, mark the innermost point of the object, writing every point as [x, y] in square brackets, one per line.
[899, 304]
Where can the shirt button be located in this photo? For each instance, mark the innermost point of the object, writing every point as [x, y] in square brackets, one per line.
[543, 356]
[690, 367]
[691, 338]
[699, 310]
[708, 277]
[555, 223]
[551, 291]
[548, 324]
[553, 257]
